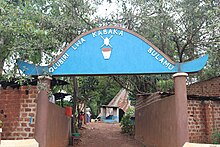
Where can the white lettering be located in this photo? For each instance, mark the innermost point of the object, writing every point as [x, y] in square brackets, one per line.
[99, 33]
[166, 63]
[150, 50]
[74, 47]
[94, 34]
[110, 31]
[51, 69]
[154, 53]
[57, 64]
[170, 67]
[105, 31]
[64, 57]
[115, 32]
[83, 40]
[54, 67]
[158, 57]
[60, 60]
[121, 33]
[78, 43]
[161, 60]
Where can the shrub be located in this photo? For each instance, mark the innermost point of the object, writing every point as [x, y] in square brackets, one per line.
[1, 124]
[216, 137]
[127, 125]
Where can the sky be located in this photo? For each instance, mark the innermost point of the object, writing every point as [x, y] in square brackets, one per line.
[106, 8]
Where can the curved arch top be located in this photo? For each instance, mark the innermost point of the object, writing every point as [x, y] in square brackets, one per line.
[113, 50]
[119, 29]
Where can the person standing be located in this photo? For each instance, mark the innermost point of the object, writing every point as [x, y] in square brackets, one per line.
[81, 118]
[88, 115]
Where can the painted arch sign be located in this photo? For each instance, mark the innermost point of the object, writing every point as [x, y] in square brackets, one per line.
[112, 50]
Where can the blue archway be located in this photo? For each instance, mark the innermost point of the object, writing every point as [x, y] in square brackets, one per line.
[112, 50]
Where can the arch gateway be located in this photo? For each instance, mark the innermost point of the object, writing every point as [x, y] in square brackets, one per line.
[112, 51]
[115, 51]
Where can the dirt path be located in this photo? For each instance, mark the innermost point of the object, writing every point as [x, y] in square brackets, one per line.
[105, 135]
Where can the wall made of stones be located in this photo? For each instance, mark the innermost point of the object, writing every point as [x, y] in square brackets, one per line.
[209, 88]
[18, 112]
[203, 120]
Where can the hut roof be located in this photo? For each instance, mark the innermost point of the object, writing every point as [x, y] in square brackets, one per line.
[120, 100]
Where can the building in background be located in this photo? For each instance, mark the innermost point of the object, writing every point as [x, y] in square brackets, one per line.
[114, 111]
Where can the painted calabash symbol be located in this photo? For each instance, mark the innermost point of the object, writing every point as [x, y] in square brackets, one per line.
[106, 51]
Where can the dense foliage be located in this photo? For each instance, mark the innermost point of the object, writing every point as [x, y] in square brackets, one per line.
[127, 124]
[93, 91]
[38, 30]
[215, 137]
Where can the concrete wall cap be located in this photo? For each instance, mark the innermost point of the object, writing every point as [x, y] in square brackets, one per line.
[180, 74]
[200, 145]
[44, 77]
[19, 143]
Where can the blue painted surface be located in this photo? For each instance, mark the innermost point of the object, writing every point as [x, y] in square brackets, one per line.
[102, 118]
[31, 69]
[109, 121]
[112, 119]
[130, 54]
[194, 65]
[31, 119]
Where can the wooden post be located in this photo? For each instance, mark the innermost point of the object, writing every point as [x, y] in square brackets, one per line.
[42, 110]
[181, 108]
[0, 135]
[75, 93]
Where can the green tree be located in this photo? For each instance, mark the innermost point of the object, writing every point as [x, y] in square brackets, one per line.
[184, 30]
[24, 34]
[36, 31]
[97, 91]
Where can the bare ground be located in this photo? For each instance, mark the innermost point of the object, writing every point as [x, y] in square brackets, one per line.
[105, 135]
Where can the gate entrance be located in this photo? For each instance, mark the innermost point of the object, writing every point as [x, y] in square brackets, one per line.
[112, 51]
[116, 51]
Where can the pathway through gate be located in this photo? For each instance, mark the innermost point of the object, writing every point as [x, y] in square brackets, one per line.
[114, 51]
[105, 135]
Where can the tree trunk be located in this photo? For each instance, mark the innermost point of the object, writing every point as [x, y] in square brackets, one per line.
[75, 96]
[1, 67]
[1, 58]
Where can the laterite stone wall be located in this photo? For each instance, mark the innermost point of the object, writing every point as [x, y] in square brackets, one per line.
[204, 115]
[154, 115]
[203, 120]
[209, 87]
[18, 112]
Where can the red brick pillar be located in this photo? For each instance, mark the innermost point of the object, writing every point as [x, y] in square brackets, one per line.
[181, 108]
[42, 110]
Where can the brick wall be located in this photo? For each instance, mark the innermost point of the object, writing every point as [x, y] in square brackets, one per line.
[204, 115]
[18, 112]
[209, 87]
[204, 119]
